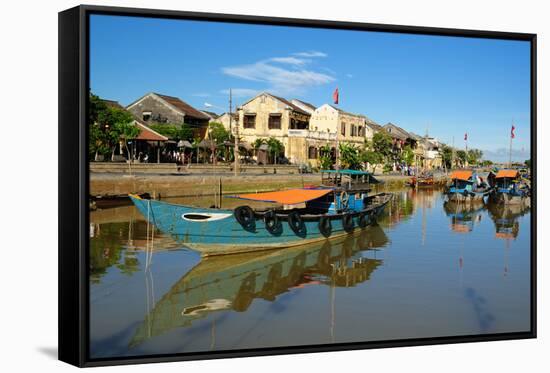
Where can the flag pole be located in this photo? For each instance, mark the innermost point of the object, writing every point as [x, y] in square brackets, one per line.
[336, 100]
[466, 151]
[510, 151]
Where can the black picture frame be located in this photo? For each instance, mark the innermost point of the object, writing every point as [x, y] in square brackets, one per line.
[74, 177]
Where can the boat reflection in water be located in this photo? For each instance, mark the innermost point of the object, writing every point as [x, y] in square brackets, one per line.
[233, 282]
[506, 219]
[464, 216]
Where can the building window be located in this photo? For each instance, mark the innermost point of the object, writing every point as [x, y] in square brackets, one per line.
[274, 122]
[146, 115]
[361, 131]
[343, 129]
[312, 152]
[249, 121]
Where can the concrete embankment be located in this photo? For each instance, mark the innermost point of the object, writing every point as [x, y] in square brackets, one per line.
[162, 186]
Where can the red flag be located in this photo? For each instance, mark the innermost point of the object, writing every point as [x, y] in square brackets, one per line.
[512, 134]
[466, 137]
[335, 96]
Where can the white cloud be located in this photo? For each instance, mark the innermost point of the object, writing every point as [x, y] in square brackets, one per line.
[240, 92]
[290, 60]
[349, 75]
[311, 54]
[278, 79]
[503, 154]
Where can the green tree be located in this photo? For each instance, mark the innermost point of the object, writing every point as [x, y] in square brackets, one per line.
[474, 156]
[349, 156]
[373, 158]
[461, 156]
[218, 133]
[108, 126]
[325, 158]
[174, 132]
[258, 142]
[98, 136]
[528, 163]
[275, 148]
[407, 155]
[447, 156]
[382, 144]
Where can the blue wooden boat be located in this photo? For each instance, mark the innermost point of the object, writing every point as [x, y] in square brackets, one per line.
[465, 187]
[301, 216]
[510, 189]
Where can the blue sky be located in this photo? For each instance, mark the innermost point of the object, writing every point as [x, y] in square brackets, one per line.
[444, 85]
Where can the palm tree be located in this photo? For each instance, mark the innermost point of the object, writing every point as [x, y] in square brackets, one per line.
[275, 148]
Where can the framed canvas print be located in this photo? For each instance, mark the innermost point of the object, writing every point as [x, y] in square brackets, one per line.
[236, 186]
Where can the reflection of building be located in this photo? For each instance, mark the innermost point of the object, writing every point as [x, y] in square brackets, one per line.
[221, 283]
[157, 108]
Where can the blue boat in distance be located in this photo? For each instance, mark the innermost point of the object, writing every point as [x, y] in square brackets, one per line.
[301, 216]
[466, 186]
[510, 189]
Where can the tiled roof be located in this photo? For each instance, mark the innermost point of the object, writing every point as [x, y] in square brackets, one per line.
[210, 114]
[148, 134]
[184, 107]
[311, 106]
[290, 104]
[397, 131]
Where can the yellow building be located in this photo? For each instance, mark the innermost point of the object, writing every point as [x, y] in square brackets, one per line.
[346, 127]
[302, 129]
[267, 115]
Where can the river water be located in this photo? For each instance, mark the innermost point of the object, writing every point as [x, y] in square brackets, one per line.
[427, 269]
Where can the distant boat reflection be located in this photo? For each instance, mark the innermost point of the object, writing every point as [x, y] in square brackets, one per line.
[464, 216]
[233, 282]
[506, 219]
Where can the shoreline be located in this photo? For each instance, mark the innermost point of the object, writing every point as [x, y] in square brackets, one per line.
[190, 185]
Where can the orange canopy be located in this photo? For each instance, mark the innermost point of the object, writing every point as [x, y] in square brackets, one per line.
[507, 173]
[462, 175]
[286, 197]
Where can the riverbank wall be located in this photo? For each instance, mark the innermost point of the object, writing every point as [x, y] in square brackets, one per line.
[164, 186]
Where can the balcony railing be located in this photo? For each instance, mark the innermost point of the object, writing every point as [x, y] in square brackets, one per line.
[316, 135]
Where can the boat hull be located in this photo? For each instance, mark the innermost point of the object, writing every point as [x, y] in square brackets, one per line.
[223, 234]
[470, 197]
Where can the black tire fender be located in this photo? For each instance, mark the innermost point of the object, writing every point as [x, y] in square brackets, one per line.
[272, 223]
[347, 222]
[296, 223]
[363, 220]
[245, 216]
[325, 226]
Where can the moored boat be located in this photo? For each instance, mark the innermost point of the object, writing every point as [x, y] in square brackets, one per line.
[422, 181]
[467, 186]
[300, 216]
[510, 189]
